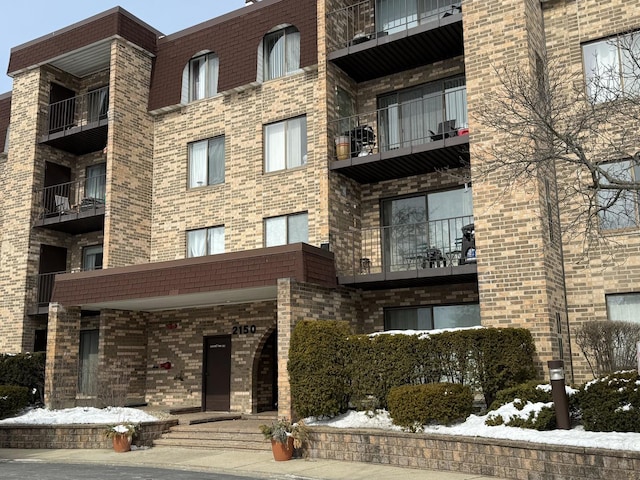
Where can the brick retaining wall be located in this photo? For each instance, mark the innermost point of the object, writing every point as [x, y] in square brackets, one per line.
[482, 456]
[74, 436]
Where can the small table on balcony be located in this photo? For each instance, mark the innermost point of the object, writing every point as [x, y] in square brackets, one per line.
[427, 257]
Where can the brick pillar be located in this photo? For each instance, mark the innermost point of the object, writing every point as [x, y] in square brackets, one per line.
[285, 324]
[61, 372]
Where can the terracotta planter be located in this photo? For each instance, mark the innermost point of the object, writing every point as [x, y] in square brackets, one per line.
[121, 443]
[282, 451]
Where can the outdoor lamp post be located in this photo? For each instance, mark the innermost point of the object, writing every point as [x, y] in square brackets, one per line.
[559, 393]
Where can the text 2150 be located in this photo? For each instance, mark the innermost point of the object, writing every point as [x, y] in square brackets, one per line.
[243, 329]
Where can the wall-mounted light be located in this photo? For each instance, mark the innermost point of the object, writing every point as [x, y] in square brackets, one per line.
[172, 326]
[166, 365]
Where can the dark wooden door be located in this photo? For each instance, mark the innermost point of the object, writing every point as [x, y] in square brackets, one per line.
[57, 185]
[217, 373]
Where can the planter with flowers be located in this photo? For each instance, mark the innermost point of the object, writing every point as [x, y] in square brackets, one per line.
[121, 435]
[285, 437]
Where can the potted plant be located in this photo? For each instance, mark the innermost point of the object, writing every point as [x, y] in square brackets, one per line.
[285, 436]
[121, 434]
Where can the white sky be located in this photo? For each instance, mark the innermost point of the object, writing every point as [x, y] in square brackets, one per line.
[26, 20]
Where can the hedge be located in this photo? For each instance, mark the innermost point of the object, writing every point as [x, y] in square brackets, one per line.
[13, 399]
[25, 370]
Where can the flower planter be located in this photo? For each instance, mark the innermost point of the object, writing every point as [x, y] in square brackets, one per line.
[121, 442]
[282, 451]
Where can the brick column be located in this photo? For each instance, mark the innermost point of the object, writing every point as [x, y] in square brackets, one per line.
[61, 372]
[285, 323]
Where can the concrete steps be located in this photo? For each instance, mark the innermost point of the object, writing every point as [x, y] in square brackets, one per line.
[215, 431]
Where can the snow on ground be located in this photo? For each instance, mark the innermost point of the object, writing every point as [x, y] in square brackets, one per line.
[109, 415]
[473, 427]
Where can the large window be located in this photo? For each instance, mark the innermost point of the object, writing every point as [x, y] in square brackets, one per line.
[88, 362]
[611, 67]
[95, 182]
[624, 307]
[281, 52]
[286, 229]
[200, 78]
[434, 317]
[285, 144]
[423, 224]
[421, 114]
[396, 15]
[619, 209]
[92, 257]
[206, 162]
[205, 241]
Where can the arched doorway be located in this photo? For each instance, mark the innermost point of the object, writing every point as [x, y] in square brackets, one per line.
[266, 375]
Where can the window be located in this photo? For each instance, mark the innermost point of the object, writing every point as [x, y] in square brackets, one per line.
[98, 103]
[395, 16]
[421, 114]
[286, 229]
[88, 362]
[206, 162]
[428, 221]
[435, 317]
[285, 144]
[92, 257]
[281, 52]
[624, 307]
[618, 209]
[200, 78]
[205, 241]
[611, 67]
[95, 181]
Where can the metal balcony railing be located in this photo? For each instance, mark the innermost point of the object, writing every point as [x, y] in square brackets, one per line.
[371, 19]
[82, 110]
[402, 124]
[86, 195]
[397, 248]
[44, 287]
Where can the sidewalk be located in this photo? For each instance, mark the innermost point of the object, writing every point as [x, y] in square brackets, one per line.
[259, 464]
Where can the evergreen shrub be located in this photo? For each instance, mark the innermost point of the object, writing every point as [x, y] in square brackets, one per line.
[318, 372]
[611, 403]
[412, 406]
[13, 399]
[25, 370]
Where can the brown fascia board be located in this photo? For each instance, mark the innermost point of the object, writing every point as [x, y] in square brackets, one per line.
[5, 117]
[246, 269]
[235, 38]
[108, 24]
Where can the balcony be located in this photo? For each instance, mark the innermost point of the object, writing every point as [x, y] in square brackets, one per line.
[375, 38]
[73, 207]
[44, 289]
[438, 251]
[404, 138]
[78, 124]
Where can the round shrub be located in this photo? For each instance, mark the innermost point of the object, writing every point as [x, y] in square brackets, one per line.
[525, 392]
[411, 406]
[611, 403]
[13, 399]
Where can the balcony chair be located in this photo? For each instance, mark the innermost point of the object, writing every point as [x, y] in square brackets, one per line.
[446, 129]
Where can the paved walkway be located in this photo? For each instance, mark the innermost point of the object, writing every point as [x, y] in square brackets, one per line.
[259, 464]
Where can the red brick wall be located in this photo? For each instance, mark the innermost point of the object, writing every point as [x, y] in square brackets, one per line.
[235, 39]
[5, 114]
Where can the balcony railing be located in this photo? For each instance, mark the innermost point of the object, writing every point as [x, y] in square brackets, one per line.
[44, 288]
[371, 19]
[404, 124]
[436, 244]
[84, 196]
[79, 111]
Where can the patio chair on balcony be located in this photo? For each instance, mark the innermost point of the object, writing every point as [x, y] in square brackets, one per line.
[62, 204]
[446, 129]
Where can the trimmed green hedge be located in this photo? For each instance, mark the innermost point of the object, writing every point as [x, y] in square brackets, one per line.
[318, 372]
[412, 406]
[13, 399]
[25, 370]
[330, 371]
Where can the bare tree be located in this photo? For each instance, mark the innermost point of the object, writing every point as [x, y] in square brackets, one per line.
[581, 129]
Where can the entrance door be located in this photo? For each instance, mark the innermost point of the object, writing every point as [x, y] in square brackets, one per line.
[217, 373]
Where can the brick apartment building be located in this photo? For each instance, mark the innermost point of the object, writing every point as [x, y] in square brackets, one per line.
[194, 195]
